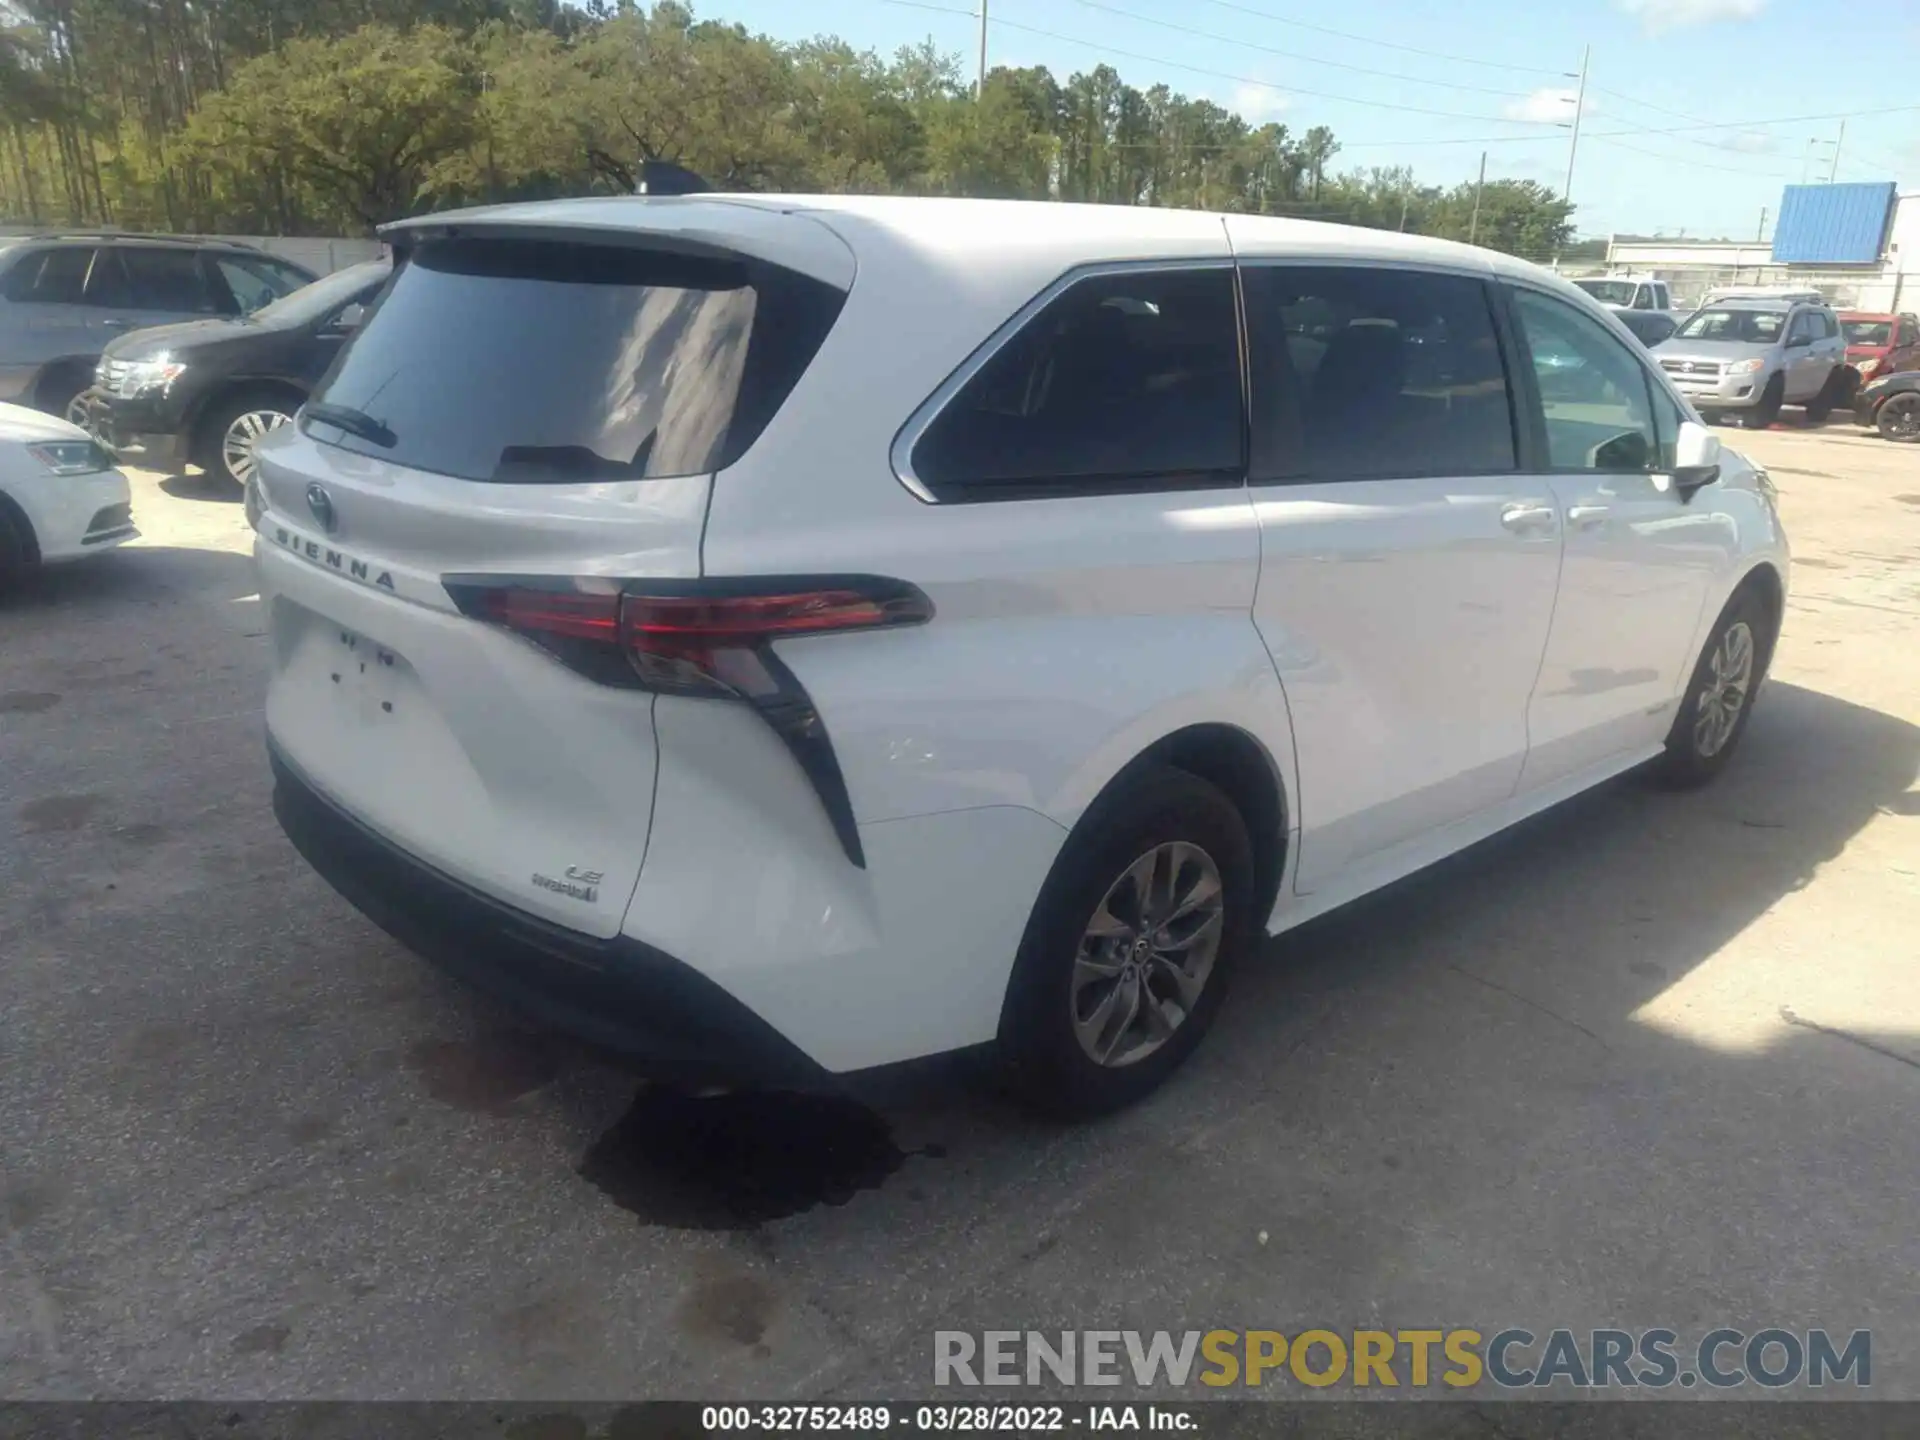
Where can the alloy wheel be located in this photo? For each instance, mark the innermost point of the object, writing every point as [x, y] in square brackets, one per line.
[1900, 418]
[1729, 679]
[237, 445]
[1147, 953]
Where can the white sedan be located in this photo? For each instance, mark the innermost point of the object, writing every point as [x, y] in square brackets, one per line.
[61, 498]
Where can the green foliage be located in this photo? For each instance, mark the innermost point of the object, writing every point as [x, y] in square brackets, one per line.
[317, 116]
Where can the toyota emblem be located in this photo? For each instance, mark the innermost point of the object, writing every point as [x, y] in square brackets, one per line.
[321, 504]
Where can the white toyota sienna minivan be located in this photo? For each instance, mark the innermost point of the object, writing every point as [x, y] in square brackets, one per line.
[779, 636]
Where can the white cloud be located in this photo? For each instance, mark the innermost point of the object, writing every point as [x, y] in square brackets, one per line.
[1257, 104]
[1657, 16]
[1552, 104]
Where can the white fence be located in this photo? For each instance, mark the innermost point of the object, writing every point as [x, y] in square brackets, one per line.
[320, 254]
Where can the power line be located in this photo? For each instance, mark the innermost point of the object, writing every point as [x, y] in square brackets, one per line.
[1385, 44]
[1214, 74]
[1774, 175]
[1294, 55]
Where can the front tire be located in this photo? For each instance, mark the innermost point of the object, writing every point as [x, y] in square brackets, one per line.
[1768, 410]
[1898, 418]
[1127, 955]
[231, 429]
[1713, 713]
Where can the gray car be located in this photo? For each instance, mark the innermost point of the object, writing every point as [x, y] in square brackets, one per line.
[64, 297]
[1750, 357]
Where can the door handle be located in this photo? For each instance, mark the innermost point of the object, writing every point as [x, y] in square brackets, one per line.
[1586, 516]
[112, 323]
[1522, 516]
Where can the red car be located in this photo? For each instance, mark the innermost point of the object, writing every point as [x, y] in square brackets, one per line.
[1880, 344]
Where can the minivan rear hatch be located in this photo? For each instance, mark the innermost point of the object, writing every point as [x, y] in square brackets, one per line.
[528, 411]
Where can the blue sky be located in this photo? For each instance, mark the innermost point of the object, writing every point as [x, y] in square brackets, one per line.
[1661, 73]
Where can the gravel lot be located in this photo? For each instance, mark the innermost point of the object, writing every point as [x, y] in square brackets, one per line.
[1648, 1060]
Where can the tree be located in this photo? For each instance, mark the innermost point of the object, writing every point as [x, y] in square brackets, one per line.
[373, 125]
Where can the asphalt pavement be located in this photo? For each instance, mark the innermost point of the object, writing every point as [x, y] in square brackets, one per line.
[1649, 1059]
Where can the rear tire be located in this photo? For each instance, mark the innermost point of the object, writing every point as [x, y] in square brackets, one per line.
[1822, 405]
[1129, 949]
[1713, 713]
[1898, 418]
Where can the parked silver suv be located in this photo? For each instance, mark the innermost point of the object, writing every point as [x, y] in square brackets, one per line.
[64, 297]
[1750, 357]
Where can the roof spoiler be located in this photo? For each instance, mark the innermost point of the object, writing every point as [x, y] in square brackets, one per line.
[660, 177]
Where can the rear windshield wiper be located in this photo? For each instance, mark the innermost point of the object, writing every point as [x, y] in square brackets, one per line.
[354, 422]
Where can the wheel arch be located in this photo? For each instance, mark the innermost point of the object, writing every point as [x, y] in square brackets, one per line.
[219, 396]
[1243, 769]
[1764, 580]
[16, 519]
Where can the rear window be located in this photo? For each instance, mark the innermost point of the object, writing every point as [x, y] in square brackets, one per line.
[1868, 332]
[531, 362]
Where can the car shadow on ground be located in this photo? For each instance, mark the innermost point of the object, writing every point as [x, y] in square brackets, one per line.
[201, 486]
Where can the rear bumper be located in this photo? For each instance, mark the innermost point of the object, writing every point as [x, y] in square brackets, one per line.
[618, 994]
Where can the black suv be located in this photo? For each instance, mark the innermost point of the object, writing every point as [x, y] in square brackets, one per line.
[64, 298]
[207, 390]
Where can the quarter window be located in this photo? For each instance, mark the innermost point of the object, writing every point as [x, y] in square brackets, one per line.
[1595, 397]
[1125, 381]
[1364, 373]
[51, 277]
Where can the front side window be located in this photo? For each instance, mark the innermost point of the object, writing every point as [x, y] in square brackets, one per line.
[1596, 398]
[539, 362]
[1909, 331]
[1365, 373]
[1124, 381]
[255, 283]
[1805, 329]
[1643, 298]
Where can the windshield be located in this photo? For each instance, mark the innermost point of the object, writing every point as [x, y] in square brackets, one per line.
[1753, 327]
[1868, 332]
[540, 362]
[1609, 292]
[310, 302]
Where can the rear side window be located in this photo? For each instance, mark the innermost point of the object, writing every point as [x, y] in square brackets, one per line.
[1124, 382]
[169, 280]
[1365, 373]
[532, 362]
[50, 277]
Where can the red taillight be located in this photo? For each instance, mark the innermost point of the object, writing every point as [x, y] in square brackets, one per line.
[705, 638]
[682, 636]
[553, 612]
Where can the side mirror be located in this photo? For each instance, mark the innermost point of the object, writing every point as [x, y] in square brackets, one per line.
[1696, 458]
[1799, 342]
[349, 319]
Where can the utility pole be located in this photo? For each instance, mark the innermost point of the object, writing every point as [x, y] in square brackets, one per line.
[1473, 226]
[1760, 235]
[1833, 170]
[1579, 104]
[1406, 198]
[980, 83]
